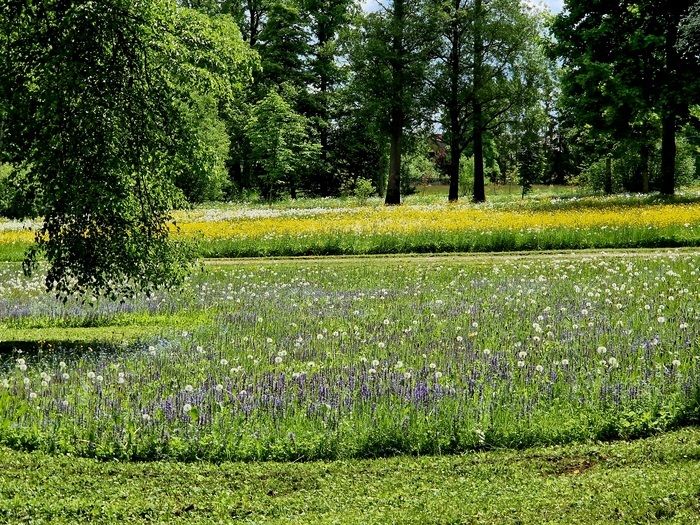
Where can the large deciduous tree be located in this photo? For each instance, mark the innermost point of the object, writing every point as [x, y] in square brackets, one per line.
[102, 100]
[391, 61]
[626, 72]
[489, 65]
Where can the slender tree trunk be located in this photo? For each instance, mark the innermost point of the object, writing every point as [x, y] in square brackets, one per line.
[455, 128]
[478, 140]
[669, 113]
[393, 189]
[478, 132]
[324, 63]
[608, 184]
[396, 125]
[668, 153]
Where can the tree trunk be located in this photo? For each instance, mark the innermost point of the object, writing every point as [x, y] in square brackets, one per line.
[455, 128]
[478, 132]
[669, 113]
[608, 183]
[668, 153]
[323, 39]
[479, 186]
[396, 125]
[393, 189]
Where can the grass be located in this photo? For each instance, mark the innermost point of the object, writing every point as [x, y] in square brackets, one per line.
[646, 481]
[316, 359]
[549, 220]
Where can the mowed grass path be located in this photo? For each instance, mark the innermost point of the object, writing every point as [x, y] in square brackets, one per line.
[646, 481]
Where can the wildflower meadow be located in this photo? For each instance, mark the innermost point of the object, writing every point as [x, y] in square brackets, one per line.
[344, 359]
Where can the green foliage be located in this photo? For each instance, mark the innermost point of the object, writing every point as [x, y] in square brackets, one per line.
[466, 176]
[627, 163]
[20, 196]
[364, 189]
[101, 101]
[281, 148]
[417, 169]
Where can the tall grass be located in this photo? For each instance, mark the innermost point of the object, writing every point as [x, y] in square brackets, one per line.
[359, 359]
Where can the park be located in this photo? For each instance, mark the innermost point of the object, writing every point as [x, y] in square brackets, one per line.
[327, 261]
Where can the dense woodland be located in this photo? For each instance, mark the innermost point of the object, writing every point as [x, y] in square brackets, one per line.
[114, 112]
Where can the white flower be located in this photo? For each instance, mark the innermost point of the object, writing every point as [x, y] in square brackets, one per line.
[676, 363]
[565, 362]
[521, 364]
[438, 375]
[200, 350]
[613, 362]
[22, 367]
[187, 408]
[189, 388]
[99, 379]
[399, 364]
[224, 362]
[381, 345]
[278, 359]
[460, 338]
[32, 395]
[683, 326]
[26, 381]
[371, 371]
[433, 366]
[91, 375]
[375, 362]
[522, 354]
[539, 368]
[661, 319]
[407, 375]
[601, 350]
[145, 417]
[62, 365]
[219, 387]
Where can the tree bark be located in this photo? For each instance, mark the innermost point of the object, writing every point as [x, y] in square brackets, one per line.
[396, 125]
[608, 184]
[478, 132]
[323, 39]
[455, 127]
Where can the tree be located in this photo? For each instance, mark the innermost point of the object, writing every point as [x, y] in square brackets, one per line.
[391, 60]
[100, 99]
[281, 146]
[489, 66]
[625, 74]
[327, 19]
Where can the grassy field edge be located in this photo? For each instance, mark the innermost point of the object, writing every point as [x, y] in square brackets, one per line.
[643, 481]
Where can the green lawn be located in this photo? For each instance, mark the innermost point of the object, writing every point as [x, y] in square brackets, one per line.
[646, 481]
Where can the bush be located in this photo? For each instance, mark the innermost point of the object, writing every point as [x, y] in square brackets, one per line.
[466, 176]
[364, 189]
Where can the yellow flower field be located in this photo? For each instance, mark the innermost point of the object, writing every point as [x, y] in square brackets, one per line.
[445, 218]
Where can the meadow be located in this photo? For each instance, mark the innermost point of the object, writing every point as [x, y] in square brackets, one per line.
[548, 220]
[348, 358]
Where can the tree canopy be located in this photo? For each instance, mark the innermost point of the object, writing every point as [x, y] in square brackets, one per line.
[103, 106]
